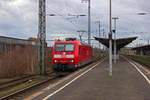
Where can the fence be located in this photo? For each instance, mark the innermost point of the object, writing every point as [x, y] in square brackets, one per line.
[18, 57]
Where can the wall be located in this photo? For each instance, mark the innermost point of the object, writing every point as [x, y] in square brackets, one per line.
[18, 60]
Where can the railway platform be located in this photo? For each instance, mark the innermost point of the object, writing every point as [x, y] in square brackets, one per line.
[127, 83]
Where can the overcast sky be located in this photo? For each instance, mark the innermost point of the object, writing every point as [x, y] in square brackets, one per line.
[19, 18]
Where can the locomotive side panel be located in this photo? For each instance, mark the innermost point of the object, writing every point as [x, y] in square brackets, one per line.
[85, 54]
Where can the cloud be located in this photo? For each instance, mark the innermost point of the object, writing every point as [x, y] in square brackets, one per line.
[144, 5]
[19, 18]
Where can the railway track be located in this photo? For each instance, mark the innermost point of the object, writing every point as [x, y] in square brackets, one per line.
[19, 80]
[16, 81]
[52, 77]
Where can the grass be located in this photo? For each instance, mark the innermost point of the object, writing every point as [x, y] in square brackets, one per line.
[144, 60]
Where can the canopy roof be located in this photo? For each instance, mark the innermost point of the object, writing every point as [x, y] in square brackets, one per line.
[120, 43]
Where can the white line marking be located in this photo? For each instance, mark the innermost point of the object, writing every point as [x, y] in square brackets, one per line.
[71, 81]
[145, 69]
[134, 65]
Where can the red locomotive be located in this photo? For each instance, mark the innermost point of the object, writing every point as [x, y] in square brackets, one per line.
[70, 54]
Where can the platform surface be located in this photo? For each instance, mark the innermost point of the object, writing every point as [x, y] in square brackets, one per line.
[125, 84]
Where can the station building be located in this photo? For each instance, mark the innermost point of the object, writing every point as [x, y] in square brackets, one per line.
[142, 50]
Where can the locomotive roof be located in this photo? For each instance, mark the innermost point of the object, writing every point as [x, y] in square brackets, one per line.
[73, 42]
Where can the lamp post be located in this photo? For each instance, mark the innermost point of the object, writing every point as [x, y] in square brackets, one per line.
[110, 39]
[146, 41]
[115, 48]
[103, 37]
[99, 31]
[142, 15]
[89, 20]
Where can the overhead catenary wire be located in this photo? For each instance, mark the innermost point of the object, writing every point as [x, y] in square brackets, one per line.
[66, 19]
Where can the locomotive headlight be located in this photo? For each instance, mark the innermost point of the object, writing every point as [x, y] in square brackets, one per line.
[55, 61]
[72, 61]
[57, 56]
[69, 56]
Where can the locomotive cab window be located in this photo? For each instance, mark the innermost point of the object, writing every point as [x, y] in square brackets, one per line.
[59, 47]
[69, 47]
[64, 47]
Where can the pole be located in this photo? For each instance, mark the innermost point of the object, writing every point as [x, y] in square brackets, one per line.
[99, 24]
[103, 37]
[103, 33]
[89, 22]
[115, 41]
[110, 40]
[115, 48]
[42, 34]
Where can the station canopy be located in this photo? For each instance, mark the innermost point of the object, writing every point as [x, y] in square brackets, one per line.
[120, 43]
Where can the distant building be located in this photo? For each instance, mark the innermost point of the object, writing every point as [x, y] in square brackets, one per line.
[142, 50]
[128, 51]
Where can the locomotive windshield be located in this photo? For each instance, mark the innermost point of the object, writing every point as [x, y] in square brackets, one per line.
[59, 47]
[69, 47]
[64, 47]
